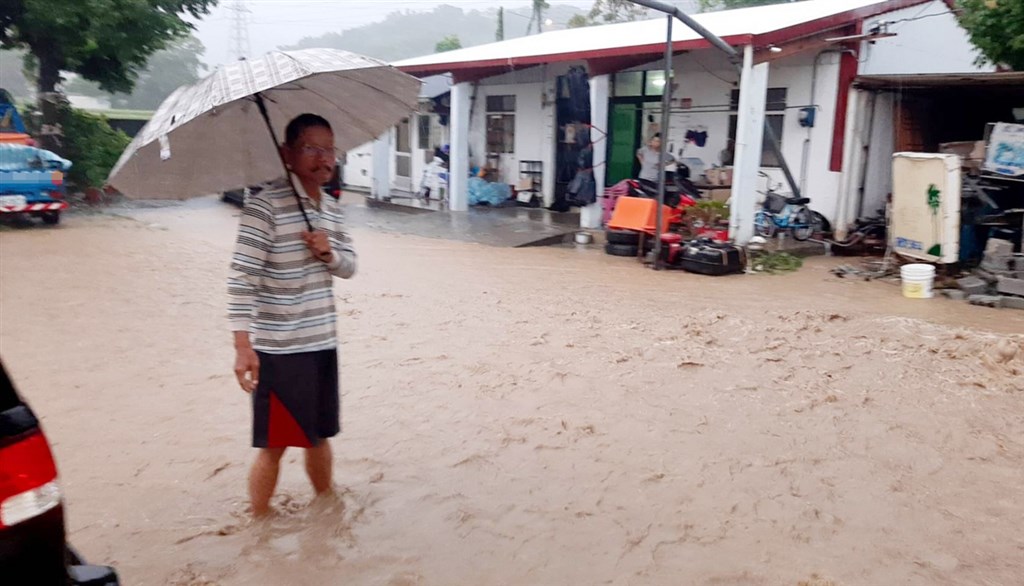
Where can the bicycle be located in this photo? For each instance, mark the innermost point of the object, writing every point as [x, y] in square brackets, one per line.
[790, 214]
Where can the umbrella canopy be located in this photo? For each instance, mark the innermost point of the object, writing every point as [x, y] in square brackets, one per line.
[210, 136]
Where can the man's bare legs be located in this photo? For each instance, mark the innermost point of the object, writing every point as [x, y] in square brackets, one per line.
[266, 468]
[319, 467]
[263, 479]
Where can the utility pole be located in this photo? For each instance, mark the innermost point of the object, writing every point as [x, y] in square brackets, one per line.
[537, 16]
[500, 35]
[240, 29]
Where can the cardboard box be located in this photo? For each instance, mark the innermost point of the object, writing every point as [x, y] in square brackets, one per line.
[719, 176]
[971, 152]
[721, 194]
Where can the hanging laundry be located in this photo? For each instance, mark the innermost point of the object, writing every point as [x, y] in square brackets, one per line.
[697, 137]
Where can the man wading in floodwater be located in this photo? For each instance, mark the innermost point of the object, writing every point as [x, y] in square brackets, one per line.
[282, 312]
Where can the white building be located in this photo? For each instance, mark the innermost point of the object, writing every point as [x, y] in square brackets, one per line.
[406, 151]
[522, 99]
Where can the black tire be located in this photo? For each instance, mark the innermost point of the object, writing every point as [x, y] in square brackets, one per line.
[627, 237]
[803, 227]
[622, 249]
[51, 218]
[820, 223]
[72, 557]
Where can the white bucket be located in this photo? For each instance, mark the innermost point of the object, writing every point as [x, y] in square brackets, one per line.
[918, 280]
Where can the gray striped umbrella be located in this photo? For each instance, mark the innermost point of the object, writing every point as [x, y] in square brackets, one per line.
[211, 136]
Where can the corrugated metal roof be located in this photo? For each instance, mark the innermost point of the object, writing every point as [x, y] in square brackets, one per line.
[435, 85]
[577, 43]
[939, 80]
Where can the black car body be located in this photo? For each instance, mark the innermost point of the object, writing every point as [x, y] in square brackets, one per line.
[237, 196]
[33, 547]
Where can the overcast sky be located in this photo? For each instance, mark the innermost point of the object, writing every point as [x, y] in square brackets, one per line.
[273, 23]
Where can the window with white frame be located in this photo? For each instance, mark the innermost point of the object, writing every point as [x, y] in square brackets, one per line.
[501, 124]
[775, 114]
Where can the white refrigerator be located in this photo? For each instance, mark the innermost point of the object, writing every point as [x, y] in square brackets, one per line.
[926, 206]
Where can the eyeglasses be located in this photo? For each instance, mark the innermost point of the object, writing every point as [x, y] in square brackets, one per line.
[308, 150]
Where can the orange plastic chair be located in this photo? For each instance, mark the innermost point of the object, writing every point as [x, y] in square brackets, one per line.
[639, 214]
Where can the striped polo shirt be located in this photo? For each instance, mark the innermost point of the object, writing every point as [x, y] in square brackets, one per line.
[277, 290]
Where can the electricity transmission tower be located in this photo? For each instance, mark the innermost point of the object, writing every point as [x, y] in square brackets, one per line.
[240, 29]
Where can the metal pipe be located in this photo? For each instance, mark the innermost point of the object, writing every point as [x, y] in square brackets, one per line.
[666, 102]
[737, 60]
[670, 10]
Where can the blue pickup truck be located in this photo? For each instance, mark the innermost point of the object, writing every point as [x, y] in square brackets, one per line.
[32, 182]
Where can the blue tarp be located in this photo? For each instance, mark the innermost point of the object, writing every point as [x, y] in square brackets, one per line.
[484, 193]
[19, 157]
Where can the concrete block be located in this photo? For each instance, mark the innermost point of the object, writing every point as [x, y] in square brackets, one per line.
[986, 300]
[1011, 302]
[998, 247]
[985, 276]
[1008, 286]
[955, 294]
[972, 285]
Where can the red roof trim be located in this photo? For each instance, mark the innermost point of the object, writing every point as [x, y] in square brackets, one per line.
[847, 73]
[657, 49]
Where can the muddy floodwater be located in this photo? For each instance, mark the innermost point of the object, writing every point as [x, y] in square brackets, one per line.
[542, 416]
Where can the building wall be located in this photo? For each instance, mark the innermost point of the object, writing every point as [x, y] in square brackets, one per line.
[359, 166]
[535, 131]
[933, 44]
[359, 160]
[707, 81]
[531, 111]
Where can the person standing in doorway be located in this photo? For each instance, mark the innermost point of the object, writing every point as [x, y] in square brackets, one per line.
[281, 310]
[649, 156]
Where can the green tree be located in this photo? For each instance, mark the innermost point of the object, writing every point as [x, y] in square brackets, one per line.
[165, 71]
[539, 6]
[105, 41]
[996, 27]
[449, 43]
[579, 21]
[609, 12]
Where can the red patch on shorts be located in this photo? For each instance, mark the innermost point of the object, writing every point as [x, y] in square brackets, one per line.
[283, 431]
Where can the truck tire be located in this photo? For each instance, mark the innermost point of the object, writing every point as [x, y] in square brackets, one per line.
[51, 218]
[622, 249]
[627, 237]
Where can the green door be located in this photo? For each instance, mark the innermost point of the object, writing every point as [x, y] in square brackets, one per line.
[621, 142]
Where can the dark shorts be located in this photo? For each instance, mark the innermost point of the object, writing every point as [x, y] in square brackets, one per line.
[296, 403]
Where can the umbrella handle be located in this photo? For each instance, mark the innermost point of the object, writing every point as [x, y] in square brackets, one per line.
[287, 173]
